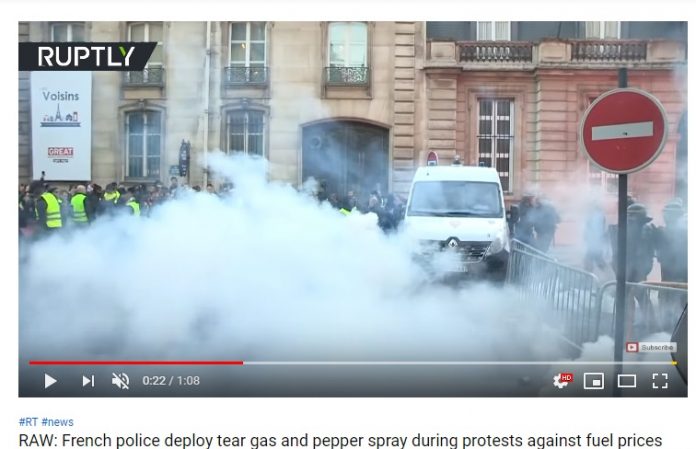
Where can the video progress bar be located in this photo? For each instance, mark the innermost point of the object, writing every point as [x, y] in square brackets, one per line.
[133, 362]
[335, 363]
[452, 363]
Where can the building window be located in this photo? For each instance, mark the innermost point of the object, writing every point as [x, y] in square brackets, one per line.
[602, 30]
[247, 55]
[347, 53]
[154, 69]
[248, 44]
[245, 132]
[67, 32]
[143, 144]
[493, 31]
[495, 137]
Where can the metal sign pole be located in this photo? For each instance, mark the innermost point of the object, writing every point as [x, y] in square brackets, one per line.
[620, 316]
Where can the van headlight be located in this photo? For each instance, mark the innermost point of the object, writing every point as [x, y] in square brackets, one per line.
[427, 247]
[498, 244]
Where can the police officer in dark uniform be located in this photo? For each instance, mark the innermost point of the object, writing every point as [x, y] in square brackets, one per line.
[672, 253]
[524, 228]
[546, 220]
[640, 252]
[640, 248]
[671, 244]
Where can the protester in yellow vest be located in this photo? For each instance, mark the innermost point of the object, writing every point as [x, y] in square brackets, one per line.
[111, 194]
[80, 215]
[132, 202]
[48, 210]
[135, 207]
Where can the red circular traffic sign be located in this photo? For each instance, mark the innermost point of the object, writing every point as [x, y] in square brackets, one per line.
[623, 130]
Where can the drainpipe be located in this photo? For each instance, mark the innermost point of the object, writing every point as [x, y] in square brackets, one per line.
[206, 104]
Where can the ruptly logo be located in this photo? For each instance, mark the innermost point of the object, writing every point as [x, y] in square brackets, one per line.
[89, 56]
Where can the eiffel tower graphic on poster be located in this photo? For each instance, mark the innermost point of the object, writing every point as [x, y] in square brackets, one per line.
[60, 121]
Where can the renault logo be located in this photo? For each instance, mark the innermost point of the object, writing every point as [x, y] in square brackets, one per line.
[452, 242]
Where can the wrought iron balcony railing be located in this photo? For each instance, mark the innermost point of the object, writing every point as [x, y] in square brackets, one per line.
[347, 76]
[151, 76]
[609, 50]
[245, 76]
[495, 51]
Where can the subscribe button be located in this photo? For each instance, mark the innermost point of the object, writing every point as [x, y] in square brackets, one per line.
[651, 346]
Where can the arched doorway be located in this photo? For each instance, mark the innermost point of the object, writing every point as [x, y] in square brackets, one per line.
[346, 156]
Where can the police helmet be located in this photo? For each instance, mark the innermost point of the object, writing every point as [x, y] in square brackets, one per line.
[673, 209]
[674, 205]
[637, 211]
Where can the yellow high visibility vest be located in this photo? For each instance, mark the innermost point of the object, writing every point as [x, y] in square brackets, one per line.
[78, 207]
[344, 211]
[113, 196]
[135, 206]
[53, 219]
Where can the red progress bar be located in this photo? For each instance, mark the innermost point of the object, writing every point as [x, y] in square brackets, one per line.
[136, 362]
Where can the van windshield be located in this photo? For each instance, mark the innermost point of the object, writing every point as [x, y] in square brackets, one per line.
[456, 199]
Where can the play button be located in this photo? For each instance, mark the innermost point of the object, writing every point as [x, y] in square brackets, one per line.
[48, 381]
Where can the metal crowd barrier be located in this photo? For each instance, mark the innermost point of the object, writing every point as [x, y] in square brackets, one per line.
[650, 307]
[568, 293]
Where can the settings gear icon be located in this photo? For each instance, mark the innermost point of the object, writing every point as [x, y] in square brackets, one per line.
[557, 382]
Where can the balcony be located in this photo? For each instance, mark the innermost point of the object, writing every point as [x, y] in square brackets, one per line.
[346, 76]
[495, 51]
[552, 53]
[608, 51]
[235, 77]
[150, 77]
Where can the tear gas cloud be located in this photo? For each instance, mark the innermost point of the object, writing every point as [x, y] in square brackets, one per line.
[265, 273]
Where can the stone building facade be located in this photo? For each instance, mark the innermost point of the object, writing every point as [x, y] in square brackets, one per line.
[334, 101]
[358, 105]
[515, 98]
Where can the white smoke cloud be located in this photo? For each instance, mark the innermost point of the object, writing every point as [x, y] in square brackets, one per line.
[264, 274]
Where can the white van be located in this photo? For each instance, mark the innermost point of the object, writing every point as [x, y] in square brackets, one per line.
[459, 210]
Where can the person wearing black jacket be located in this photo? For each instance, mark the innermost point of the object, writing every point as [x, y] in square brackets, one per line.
[671, 245]
[524, 228]
[545, 223]
[640, 254]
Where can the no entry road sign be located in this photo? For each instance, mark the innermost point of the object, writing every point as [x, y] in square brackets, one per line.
[623, 130]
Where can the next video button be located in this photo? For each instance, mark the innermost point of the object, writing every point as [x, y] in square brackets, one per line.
[658, 346]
